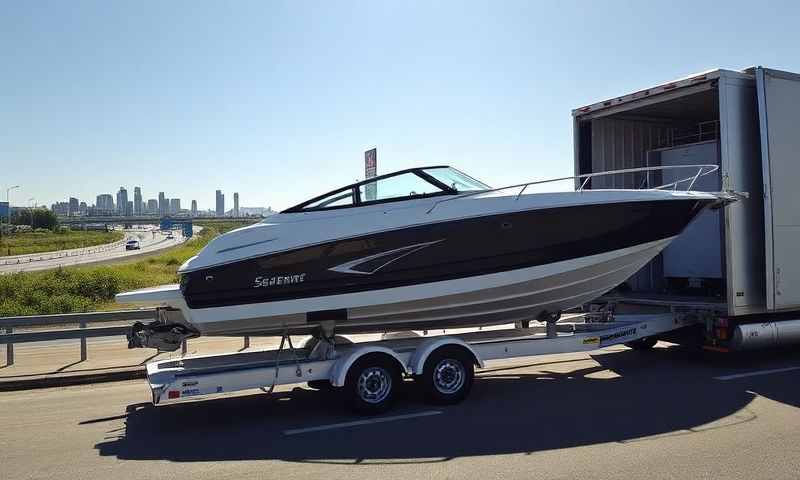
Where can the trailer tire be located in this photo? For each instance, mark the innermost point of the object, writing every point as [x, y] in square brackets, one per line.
[448, 375]
[645, 343]
[372, 383]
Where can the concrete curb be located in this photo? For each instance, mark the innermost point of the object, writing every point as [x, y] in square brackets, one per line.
[64, 380]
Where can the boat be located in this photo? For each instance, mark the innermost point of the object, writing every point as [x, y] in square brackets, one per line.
[416, 249]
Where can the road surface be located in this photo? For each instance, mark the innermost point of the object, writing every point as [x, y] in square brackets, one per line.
[662, 414]
[150, 240]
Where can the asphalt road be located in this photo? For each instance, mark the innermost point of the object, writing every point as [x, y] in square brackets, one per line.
[618, 414]
[149, 243]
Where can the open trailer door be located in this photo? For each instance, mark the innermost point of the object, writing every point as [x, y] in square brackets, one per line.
[778, 112]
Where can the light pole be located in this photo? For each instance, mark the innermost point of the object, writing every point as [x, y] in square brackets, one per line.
[31, 209]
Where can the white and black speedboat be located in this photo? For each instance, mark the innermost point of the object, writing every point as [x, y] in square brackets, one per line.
[418, 248]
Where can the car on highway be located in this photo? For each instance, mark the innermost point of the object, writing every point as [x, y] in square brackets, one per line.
[132, 245]
[170, 236]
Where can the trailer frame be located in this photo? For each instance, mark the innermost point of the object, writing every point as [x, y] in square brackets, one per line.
[331, 363]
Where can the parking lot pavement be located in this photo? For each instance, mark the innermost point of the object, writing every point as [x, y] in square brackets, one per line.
[613, 414]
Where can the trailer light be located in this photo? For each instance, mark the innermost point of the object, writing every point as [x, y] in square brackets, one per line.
[670, 86]
[173, 394]
[722, 333]
[722, 322]
[699, 79]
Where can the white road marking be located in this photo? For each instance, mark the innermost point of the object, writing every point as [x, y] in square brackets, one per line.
[356, 423]
[756, 373]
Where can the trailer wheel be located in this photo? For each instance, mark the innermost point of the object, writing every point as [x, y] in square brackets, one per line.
[447, 375]
[645, 343]
[371, 384]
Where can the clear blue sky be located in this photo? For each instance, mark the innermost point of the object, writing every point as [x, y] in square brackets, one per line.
[278, 100]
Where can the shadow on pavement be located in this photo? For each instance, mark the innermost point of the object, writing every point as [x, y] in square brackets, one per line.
[665, 391]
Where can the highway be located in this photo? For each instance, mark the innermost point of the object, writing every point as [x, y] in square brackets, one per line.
[150, 240]
[663, 414]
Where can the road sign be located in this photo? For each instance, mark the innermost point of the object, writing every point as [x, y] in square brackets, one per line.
[370, 171]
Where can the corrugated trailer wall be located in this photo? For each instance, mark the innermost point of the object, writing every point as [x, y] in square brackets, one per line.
[623, 143]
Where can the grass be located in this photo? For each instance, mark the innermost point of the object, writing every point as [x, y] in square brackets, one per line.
[91, 288]
[48, 241]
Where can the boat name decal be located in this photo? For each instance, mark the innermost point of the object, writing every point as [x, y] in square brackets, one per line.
[261, 282]
[623, 333]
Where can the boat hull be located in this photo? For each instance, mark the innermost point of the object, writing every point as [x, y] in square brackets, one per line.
[518, 295]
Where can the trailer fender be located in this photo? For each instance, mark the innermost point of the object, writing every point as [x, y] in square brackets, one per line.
[342, 365]
[421, 354]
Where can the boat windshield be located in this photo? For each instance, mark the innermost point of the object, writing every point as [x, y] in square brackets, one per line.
[402, 185]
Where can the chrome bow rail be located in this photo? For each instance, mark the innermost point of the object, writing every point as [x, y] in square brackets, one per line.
[702, 170]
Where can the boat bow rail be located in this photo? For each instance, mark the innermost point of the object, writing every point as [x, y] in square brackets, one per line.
[701, 170]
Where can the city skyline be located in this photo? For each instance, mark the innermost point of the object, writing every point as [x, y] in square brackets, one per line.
[105, 204]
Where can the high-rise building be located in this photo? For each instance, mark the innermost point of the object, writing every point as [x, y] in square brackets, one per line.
[220, 204]
[129, 208]
[83, 209]
[61, 209]
[137, 200]
[194, 208]
[122, 201]
[152, 206]
[105, 204]
[74, 207]
[235, 204]
[162, 204]
[174, 205]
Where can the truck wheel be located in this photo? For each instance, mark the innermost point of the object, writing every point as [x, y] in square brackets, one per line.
[447, 375]
[645, 343]
[372, 383]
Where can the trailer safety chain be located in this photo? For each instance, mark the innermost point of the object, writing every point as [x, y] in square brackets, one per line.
[299, 372]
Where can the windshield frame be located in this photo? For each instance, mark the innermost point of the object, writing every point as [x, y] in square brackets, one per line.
[356, 194]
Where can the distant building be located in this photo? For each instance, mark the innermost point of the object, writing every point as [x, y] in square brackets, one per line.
[194, 208]
[83, 209]
[163, 206]
[60, 208]
[235, 204]
[104, 204]
[74, 207]
[137, 201]
[152, 206]
[4, 212]
[174, 206]
[220, 204]
[129, 208]
[122, 201]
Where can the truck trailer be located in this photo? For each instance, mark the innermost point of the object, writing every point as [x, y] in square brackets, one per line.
[735, 270]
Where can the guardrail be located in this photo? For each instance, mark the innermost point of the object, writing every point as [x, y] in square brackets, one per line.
[82, 320]
[75, 252]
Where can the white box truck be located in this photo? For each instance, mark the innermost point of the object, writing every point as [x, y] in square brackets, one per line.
[736, 270]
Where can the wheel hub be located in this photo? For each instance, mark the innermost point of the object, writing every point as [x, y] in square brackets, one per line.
[374, 384]
[448, 376]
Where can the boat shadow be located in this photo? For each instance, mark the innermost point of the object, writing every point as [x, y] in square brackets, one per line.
[629, 397]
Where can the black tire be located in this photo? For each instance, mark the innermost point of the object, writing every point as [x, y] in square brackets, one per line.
[645, 343]
[448, 375]
[372, 384]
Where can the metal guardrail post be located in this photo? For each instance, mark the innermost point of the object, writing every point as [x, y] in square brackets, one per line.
[246, 341]
[183, 347]
[83, 344]
[9, 348]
